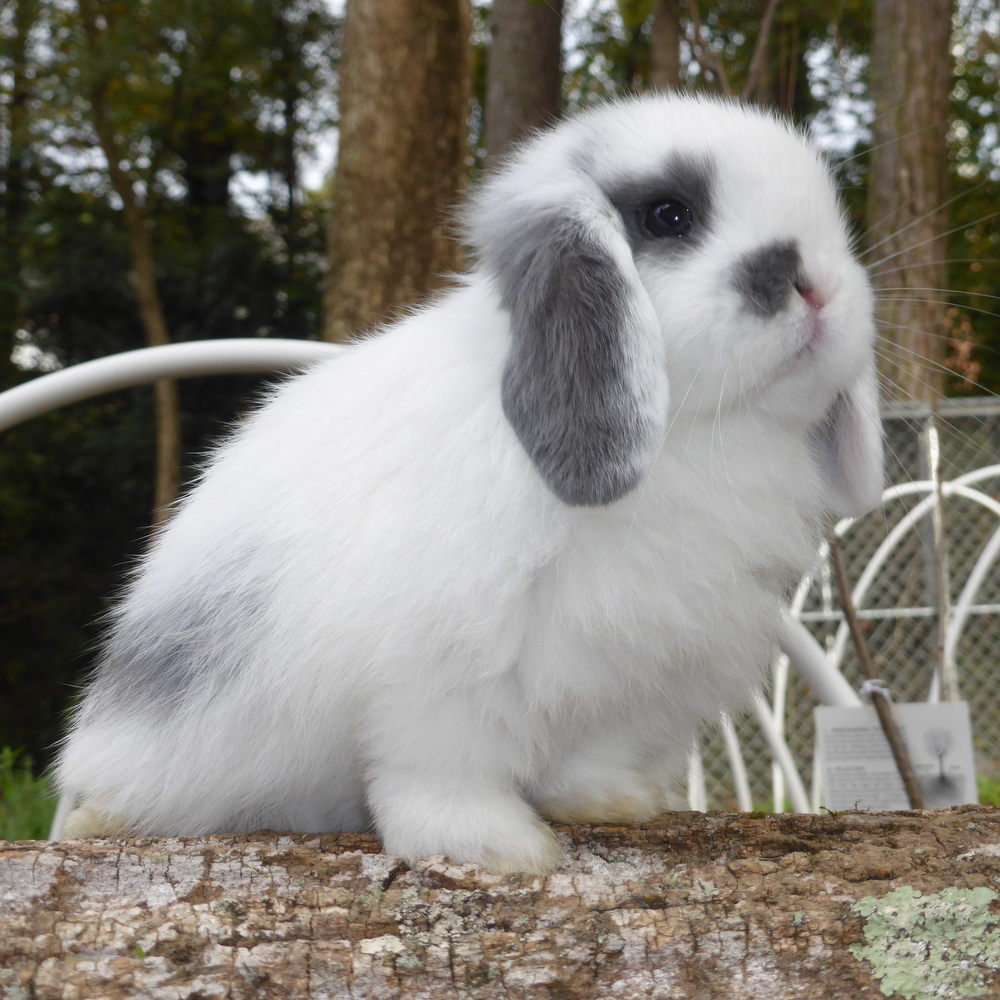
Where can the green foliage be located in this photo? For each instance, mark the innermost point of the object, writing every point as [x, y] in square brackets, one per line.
[75, 490]
[611, 55]
[199, 91]
[989, 790]
[613, 51]
[974, 287]
[974, 245]
[27, 804]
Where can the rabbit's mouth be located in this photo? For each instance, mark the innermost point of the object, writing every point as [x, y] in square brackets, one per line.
[814, 324]
[815, 334]
[812, 298]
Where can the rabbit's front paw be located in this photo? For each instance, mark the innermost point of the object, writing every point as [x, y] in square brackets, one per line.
[536, 851]
[502, 833]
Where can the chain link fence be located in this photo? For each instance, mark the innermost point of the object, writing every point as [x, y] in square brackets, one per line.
[900, 609]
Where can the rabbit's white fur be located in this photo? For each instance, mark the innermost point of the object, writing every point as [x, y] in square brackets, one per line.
[413, 591]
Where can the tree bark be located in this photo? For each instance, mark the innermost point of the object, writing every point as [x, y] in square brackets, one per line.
[908, 217]
[523, 72]
[405, 84]
[665, 46]
[724, 905]
[138, 228]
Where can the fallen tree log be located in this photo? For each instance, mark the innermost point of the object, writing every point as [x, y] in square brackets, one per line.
[722, 905]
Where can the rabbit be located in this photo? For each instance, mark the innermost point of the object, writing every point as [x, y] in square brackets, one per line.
[495, 564]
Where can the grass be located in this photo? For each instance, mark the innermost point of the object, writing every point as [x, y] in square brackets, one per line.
[989, 791]
[27, 804]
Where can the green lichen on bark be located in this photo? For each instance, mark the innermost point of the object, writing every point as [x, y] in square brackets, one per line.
[925, 946]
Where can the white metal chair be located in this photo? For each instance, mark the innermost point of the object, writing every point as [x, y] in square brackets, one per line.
[963, 487]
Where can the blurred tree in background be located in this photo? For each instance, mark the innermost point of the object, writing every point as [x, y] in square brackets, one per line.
[405, 85]
[524, 71]
[212, 106]
[910, 82]
[216, 107]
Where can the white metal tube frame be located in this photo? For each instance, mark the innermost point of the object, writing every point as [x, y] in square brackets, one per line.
[961, 486]
[147, 364]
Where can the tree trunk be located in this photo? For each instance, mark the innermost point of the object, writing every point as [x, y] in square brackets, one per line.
[665, 45]
[774, 64]
[725, 905]
[523, 72]
[138, 228]
[910, 83]
[405, 84]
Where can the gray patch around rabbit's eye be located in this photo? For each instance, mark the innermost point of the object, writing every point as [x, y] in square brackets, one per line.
[767, 276]
[566, 385]
[688, 181]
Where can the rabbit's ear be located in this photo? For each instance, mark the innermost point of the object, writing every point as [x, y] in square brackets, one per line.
[584, 385]
[847, 443]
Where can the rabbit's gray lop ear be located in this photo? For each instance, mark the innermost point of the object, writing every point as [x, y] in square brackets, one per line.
[847, 443]
[584, 385]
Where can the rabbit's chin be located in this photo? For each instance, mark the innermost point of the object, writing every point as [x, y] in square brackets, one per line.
[815, 380]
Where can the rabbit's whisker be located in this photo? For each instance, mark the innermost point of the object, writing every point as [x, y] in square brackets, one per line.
[930, 239]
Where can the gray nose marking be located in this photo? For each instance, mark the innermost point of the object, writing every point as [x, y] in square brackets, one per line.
[766, 277]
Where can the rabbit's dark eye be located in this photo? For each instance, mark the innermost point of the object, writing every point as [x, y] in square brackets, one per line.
[669, 218]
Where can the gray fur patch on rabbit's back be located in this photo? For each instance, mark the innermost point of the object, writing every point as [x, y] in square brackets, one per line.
[158, 657]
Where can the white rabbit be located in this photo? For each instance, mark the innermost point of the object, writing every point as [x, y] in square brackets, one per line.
[500, 561]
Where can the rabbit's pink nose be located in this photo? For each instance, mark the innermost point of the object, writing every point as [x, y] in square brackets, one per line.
[812, 297]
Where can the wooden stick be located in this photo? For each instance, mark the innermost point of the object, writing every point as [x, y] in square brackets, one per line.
[879, 699]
